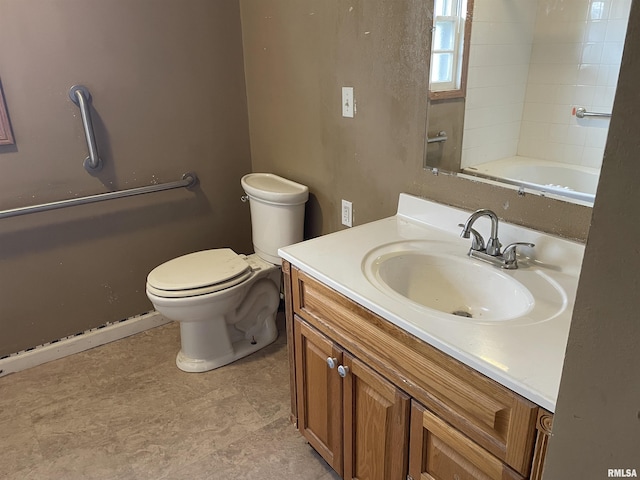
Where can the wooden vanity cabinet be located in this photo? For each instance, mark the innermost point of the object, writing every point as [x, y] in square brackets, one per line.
[403, 407]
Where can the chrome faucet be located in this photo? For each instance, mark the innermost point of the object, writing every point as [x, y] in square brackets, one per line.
[493, 245]
[491, 252]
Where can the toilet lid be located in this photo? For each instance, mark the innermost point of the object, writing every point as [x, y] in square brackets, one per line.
[201, 271]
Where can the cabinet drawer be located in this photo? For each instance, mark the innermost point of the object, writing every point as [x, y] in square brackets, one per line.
[491, 415]
[439, 452]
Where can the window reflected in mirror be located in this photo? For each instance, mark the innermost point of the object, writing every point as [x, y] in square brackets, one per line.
[449, 48]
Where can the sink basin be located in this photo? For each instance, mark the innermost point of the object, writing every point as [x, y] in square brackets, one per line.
[453, 285]
[428, 276]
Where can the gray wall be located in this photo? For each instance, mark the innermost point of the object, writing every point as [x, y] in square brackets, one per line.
[168, 96]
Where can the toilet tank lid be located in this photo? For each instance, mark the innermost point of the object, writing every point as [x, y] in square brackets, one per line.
[272, 188]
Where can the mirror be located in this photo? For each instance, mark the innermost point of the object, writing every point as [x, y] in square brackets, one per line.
[540, 87]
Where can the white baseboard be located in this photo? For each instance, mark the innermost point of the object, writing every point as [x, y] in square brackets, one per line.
[79, 343]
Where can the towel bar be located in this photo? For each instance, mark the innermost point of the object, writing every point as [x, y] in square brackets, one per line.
[188, 180]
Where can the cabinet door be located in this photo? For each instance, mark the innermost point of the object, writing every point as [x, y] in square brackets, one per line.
[439, 452]
[319, 392]
[376, 424]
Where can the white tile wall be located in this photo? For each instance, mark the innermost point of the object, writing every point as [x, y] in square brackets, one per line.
[501, 40]
[531, 63]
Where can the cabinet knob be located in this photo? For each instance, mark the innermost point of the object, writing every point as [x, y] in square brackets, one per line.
[342, 371]
[332, 362]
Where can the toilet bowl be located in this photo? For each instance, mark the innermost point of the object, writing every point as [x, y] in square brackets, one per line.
[226, 302]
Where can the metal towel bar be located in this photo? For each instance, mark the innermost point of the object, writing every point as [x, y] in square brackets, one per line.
[189, 179]
[81, 96]
[581, 112]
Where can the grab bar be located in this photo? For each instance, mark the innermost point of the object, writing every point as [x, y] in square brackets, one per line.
[81, 96]
[581, 112]
[189, 179]
[442, 137]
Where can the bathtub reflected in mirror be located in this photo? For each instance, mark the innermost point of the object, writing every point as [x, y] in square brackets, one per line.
[532, 65]
[573, 182]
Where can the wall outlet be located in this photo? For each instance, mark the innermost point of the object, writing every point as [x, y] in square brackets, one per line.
[348, 102]
[347, 213]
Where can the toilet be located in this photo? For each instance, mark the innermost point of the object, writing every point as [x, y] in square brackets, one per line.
[225, 302]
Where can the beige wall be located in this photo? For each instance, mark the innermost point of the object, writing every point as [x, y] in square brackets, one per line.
[597, 423]
[298, 55]
[168, 96]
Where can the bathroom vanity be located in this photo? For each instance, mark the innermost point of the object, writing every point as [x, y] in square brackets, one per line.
[386, 384]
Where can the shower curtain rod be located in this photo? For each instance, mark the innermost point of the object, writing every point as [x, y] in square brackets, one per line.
[188, 180]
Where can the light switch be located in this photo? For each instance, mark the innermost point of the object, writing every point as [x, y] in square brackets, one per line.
[348, 105]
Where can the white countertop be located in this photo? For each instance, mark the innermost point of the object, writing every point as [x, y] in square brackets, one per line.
[525, 357]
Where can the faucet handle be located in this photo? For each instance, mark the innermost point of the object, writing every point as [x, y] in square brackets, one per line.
[477, 243]
[509, 253]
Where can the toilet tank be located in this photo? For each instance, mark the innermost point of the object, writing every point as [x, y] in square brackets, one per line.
[277, 212]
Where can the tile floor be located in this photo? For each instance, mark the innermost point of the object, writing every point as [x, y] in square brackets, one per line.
[125, 411]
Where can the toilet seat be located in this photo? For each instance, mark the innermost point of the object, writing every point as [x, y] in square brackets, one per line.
[198, 273]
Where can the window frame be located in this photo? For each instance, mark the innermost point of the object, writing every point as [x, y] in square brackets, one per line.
[463, 63]
[6, 135]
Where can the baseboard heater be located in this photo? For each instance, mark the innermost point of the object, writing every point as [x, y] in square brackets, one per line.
[79, 342]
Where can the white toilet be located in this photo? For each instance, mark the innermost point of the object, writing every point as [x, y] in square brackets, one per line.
[226, 303]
